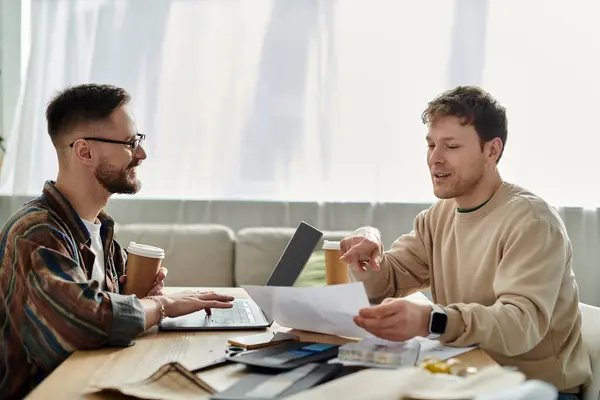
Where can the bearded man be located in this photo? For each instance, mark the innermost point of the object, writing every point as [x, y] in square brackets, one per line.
[62, 272]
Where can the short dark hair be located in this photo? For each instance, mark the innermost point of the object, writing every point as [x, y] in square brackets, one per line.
[82, 104]
[473, 106]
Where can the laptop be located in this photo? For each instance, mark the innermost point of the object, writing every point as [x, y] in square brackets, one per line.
[245, 313]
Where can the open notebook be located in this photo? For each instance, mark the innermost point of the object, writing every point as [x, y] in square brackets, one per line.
[174, 381]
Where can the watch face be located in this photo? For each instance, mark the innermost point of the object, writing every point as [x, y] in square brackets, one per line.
[438, 323]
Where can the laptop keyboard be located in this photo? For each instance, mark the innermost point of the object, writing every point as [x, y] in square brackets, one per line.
[240, 313]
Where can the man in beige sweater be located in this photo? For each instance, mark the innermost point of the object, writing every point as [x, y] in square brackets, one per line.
[496, 257]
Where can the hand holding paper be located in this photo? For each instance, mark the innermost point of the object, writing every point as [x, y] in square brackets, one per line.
[323, 309]
[395, 319]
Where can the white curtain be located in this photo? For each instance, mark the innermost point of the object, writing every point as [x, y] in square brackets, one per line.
[314, 101]
[317, 100]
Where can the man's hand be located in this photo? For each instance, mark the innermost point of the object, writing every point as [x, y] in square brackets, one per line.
[187, 302]
[183, 303]
[159, 284]
[395, 319]
[362, 249]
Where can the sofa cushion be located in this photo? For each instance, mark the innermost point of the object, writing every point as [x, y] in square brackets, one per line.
[258, 250]
[195, 255]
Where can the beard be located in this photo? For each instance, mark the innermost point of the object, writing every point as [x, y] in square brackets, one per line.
[459, 186]
[118, 181]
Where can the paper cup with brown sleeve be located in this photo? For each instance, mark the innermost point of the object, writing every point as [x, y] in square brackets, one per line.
[143, 264]
[336, 271]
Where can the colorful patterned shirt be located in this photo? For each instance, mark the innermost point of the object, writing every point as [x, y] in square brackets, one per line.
[49, 305]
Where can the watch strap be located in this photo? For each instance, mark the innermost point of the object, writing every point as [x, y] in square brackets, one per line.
[435, 309]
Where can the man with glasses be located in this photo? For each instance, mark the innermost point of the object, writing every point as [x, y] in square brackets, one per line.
[62, 271]
[121, 184]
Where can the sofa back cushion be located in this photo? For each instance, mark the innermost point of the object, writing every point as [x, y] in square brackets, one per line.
[258, 250]
[195, 255]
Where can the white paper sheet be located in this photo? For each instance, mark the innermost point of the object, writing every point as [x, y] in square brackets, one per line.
[323, 309]
[330, 310]
[418, 297]
[433, 348]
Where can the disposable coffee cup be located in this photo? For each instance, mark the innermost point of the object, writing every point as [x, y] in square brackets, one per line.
[143, 264]
[336, 271]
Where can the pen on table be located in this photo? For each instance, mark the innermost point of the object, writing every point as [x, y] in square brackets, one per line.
[208, 311]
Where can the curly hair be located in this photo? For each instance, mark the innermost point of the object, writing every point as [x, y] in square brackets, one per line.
[473, 106]
[82, 104]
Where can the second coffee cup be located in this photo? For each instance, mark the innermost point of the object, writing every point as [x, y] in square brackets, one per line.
[143, 265]
[336, 271]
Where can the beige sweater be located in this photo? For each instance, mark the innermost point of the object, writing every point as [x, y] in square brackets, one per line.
[503, 274]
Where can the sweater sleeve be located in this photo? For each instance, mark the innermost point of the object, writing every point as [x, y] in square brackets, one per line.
[526, 288]
[404, 268]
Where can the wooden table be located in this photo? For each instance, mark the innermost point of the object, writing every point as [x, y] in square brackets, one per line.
[153, 349]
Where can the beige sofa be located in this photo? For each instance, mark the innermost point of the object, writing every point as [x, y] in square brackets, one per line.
[214, 255]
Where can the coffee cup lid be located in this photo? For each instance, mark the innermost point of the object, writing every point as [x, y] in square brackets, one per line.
[145, 250]
[331, 245]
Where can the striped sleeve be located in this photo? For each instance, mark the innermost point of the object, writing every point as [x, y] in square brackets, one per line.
[65, 311]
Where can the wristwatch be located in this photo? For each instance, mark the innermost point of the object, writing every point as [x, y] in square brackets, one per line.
[438, 319]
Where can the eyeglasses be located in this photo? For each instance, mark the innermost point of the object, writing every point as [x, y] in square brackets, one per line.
[133, 143]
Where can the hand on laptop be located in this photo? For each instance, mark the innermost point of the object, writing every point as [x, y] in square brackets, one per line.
[187, 302]
[362, 249]
[395, 319]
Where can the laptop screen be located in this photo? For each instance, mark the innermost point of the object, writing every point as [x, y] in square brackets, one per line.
[295, 256]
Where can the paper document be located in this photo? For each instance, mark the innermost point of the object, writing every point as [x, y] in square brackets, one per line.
[418, 297]
[323, 309]
[171, 381]
[433, 348]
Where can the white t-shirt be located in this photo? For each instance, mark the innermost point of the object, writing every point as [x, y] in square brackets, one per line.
[98, 273]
